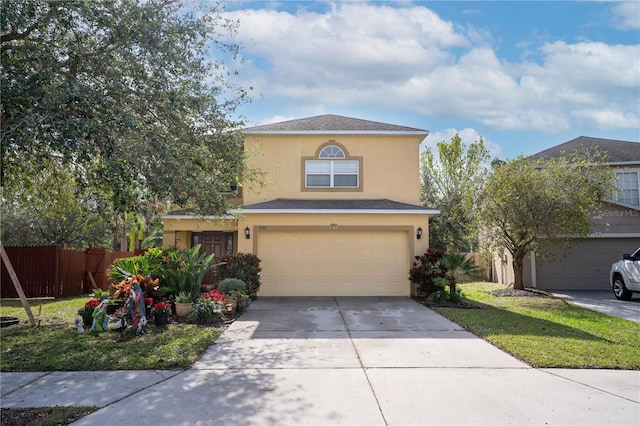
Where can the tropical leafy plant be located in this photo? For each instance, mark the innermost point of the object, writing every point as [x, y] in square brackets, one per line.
[426, 269]
[458, 266]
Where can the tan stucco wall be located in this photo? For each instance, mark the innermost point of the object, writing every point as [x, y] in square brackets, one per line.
[177, 232]
[390, 166]
[352, 222]
[198, 225]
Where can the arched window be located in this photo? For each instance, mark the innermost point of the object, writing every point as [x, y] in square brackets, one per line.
[331, 151]
[332, 170]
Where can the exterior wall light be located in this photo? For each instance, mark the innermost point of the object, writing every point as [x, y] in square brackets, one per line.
[418, 233]
[247, 233]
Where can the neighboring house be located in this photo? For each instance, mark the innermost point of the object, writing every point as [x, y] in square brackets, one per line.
[616, 226]
[340, 213]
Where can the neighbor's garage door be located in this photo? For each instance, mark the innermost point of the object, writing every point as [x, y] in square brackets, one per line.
[334, 263]
[586, 266]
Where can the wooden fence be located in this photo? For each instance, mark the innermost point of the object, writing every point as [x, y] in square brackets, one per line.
[49, 271]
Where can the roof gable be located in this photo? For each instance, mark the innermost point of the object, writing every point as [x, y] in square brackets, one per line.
[333, 124]
[618, 151]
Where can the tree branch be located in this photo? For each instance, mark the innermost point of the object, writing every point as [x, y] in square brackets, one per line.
[14, 35]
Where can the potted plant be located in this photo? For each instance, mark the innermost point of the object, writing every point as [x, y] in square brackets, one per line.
[234, 291]
[183, 304]
[161, 312]
[86, 311]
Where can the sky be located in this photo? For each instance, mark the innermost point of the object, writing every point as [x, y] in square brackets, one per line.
[524, 76]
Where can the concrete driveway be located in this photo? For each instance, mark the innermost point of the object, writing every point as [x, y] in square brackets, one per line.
[605, 302]
[369, 361]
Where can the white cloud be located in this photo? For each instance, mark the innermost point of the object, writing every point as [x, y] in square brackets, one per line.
[409, 59]
[467, 136]
[608, 119]
[626, 15]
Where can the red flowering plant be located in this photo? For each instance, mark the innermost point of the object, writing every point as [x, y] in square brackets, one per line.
[161, 308]
[148, 301]
[89, 306]
[215, 295]
[207, 309]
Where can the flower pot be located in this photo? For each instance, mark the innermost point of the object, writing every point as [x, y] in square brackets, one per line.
[161, 318]
[113, 307]
[230, 306]
[87, 318]
[182, 309]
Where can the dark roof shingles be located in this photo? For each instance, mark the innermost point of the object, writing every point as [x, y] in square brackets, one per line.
[617, 151]
[297, 204]
[330, 123]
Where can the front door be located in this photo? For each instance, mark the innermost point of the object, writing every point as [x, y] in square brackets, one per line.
[217, 243]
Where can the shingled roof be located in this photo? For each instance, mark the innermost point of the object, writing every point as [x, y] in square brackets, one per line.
[618, 152]
[281, 204]
[333, 124]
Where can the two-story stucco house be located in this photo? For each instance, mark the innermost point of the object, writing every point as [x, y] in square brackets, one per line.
[616, 226]
[340, 213]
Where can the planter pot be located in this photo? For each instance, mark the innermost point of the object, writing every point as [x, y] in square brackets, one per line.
[230, 306]
[161, 319]
[182, 309]
[113, 307]
[87, 318]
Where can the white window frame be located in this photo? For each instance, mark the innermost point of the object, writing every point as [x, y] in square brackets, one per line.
[617, 196]
[332, 173]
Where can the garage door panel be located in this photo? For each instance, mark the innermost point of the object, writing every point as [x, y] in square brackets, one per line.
[334, 263]
[584, 266]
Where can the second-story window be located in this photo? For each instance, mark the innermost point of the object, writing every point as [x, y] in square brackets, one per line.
[628, 187]
[331, 170]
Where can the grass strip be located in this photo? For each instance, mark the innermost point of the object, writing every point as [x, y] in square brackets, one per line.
[56, 345]
[547, 332]
[45, 416]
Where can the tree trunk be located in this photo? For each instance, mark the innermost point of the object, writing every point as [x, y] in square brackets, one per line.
[124, 238]
[518, 269]
[116, 227]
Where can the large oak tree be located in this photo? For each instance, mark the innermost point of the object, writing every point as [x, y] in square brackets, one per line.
[133, 97]
[529, 203]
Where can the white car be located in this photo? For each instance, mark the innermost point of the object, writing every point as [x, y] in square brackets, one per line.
[625, 276]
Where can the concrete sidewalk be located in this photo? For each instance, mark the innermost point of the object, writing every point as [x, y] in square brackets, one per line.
[332, 361]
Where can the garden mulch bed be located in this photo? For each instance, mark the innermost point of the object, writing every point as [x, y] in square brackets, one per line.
[527, 292]
[507, 292]
[445, 304]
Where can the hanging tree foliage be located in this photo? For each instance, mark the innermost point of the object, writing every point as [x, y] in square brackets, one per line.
[125, 94]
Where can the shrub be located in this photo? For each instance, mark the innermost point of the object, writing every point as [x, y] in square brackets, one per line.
[243, 266]
[425, 271]
[126, 267]
[206, 310]
[229, 286]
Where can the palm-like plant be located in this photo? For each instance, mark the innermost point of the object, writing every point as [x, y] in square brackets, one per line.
[458, 266]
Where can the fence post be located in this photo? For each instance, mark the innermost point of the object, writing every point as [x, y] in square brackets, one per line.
[16, 284]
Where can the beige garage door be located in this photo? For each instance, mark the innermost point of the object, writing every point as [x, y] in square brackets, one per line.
[334, 263]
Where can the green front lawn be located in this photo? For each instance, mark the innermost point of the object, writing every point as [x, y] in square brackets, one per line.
[547, 332]
[55, 344]
[541, 331]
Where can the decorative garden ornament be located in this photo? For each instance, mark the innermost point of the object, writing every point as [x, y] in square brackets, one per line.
[100, 317]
